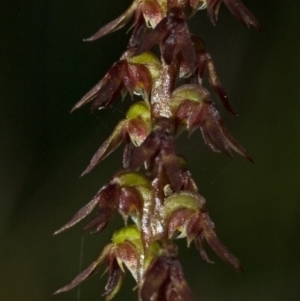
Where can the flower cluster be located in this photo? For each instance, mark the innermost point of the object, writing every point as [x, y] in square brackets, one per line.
[154, 192]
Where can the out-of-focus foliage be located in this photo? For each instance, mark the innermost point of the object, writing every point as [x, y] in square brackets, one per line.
[45, 68]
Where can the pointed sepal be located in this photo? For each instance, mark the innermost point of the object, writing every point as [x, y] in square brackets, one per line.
[115, 24]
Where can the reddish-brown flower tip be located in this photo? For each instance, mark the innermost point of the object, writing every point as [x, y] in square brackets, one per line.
[236, 7]
[115, 276]
[89, 271]
[214, 242]
[164, 280]
[242, 13]
[133, 130]
[106, 199]
[173, 34]
[137, 33]
[186, 215]
[204, 63]
[123, 76]
[216, 134]
[193, 107]
[123, 250]
[81, 214]
[115, 24]
[107, 89]
[108, 146]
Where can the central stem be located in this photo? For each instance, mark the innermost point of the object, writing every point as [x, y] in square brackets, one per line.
[161, 92]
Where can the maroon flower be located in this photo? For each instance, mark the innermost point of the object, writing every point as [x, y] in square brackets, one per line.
[186, 213]
[204, 63]
[123, 75]
[173, 34]
[117, 253]
[159, 145]
[164, 281]
[133, 131]
[193, 107]
[164, 204]
[123, 193]
[236, 7]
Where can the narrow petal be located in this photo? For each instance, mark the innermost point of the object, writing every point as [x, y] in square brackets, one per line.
[92, 94]
[213, 10]
[116, 288]
[242, 13]
[216, 84]
[170, 163]
[154, 277]
[114, 278]
[81, 214]
[184, 42]
[208, 141]
[115, 24]
[112, 85]
[127, 152]
[100, 221]
[154, 36]
[199, 243]
[216, 244]
[90, 270]
[106, 87]
[216, 132]
[169, 48]
[146, 150]
[109, 146]
[179, 282]
[139, 30]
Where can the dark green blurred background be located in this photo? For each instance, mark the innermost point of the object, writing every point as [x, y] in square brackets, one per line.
[46, 68]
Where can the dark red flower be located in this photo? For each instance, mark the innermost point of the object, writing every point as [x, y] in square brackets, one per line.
[204, 63]
[123, 193]
[173, 34]
[133, 131]
[124, 249]
[236, 7]
[193, 107]
[159, 145]
[186, 214]
[134, 78]
[164, 281]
